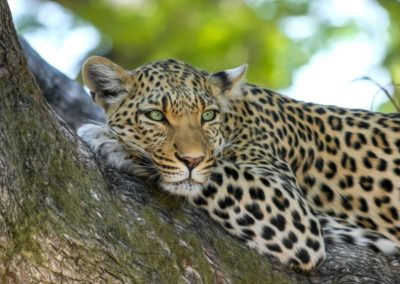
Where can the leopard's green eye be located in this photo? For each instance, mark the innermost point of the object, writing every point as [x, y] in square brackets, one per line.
[208, 115]
[155, 115]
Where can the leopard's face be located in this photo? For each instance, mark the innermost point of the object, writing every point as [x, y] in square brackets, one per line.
[178, 129]
[167, 114]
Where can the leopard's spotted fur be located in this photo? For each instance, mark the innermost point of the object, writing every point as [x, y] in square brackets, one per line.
[280, 174]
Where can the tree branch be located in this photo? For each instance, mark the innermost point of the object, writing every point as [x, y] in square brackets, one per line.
[66, 96]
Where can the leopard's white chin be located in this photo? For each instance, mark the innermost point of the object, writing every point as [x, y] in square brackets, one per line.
[187, 187]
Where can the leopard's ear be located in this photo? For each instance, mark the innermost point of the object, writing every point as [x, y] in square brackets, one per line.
[228, 81]
[108, 82]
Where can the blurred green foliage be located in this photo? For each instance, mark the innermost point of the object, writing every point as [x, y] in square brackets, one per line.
[392, 58]
[275, 37]
[211, 34]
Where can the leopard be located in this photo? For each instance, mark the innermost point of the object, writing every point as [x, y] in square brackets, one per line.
[286, 177]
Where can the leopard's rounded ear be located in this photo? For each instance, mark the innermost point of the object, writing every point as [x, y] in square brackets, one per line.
[228, 81]
[107, 81]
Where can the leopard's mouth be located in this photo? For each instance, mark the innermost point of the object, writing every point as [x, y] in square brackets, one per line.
[186, 187]
[185, 181]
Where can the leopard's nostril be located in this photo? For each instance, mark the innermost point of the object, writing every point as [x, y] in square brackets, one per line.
[190, 161]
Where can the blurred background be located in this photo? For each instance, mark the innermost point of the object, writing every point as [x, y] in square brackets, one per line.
[317, 51]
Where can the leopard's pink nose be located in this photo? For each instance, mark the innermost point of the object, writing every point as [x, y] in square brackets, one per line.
[189, 161]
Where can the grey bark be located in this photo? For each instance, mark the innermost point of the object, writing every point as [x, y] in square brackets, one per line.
[66, 96]
[67, 217]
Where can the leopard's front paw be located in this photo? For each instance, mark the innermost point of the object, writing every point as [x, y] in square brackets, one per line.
[103, 144]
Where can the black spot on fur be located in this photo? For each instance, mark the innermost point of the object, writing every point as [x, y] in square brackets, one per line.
[248, 176]
[374, 248]
[199, 201]
[317, 201]
[394, 213]
[279, 222]
[225, 202]
[382, 166]
[331, 171]
[245, 220]
[313, 244]
[346, 203]
[319, 164]
[274, 248]
[287, 243]
[366, 182]
[228, 225]
[296, 215]
[209, 191]
[217, 178]
[280, 203]
[303, 255]
[231, 173]
[292, 237]
[363, 204]
[309, 181]
[299, 226]
[248, 234]
[221, 214]
[347, 239]
[255, 210]
[327, 191]
[348, 163]
[386, 184]
[314, 227]
[335, 123]
[367, 163]
[265, 182]
[267, 233]
[238, 193]
[385, 218]
[256, 193]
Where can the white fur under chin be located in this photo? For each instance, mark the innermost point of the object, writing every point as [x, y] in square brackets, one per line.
[186, 188]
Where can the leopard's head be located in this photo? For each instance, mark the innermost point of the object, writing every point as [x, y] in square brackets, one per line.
[166, 112]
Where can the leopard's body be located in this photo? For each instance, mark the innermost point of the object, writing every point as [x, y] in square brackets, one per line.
[280, 174]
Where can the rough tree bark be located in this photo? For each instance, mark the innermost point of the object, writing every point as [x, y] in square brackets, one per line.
[66, 217]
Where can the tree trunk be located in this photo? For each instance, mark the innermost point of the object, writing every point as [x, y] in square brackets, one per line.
[66, 217]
